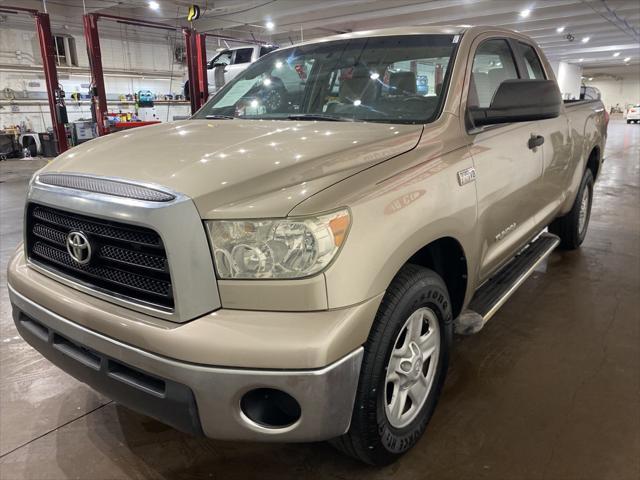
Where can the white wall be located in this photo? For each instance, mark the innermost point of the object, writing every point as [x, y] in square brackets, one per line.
[133, 54]
[623, 90]
[136, 61]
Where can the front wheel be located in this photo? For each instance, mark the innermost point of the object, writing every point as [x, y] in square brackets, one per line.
[185, 91]
[403, 369]
[572, 228]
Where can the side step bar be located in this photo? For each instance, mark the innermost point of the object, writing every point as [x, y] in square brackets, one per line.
[497, 290]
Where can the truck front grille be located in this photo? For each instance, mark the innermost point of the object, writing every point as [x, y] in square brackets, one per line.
[126, 260]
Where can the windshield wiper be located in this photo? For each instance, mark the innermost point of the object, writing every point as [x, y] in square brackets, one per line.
[219, 117]
[319, 116]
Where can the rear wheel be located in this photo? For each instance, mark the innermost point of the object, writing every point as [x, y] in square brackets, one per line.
[403, 369]
[572, 228]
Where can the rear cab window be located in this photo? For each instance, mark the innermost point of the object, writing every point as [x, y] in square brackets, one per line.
[267, 49]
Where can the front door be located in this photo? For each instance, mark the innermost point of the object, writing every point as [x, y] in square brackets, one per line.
[507, 170]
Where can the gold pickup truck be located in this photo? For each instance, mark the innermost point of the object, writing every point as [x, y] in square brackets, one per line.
[291, 263]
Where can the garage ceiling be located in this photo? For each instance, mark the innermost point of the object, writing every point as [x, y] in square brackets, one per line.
[611, 27]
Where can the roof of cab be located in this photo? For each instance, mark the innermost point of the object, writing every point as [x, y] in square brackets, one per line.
[385, 32]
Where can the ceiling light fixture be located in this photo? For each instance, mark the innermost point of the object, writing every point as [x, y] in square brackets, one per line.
[627, 59]
[581, 60]
[617, 54]
[585, 39]
[525, 13]
[560, 29]
[270, 25]
[153, 5]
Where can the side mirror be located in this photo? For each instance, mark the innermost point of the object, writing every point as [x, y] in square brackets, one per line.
[520, 101]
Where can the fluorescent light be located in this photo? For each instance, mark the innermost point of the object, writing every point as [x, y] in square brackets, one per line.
[525, 13]
[270, 25]
[154, 5]
[581, 60]
[627, 59]
[585, 39]
[590, 78]
[560, 29]
[617, 54]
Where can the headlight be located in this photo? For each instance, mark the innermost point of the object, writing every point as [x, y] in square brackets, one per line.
[279, 248]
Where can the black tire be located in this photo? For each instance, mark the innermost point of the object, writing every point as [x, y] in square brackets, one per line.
[185, 91]
[628, 122]
[568, 226]
[371, 438]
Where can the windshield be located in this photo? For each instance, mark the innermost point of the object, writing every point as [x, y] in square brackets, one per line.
[395, 79]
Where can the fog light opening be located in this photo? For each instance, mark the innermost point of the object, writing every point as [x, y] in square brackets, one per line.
[270, 408]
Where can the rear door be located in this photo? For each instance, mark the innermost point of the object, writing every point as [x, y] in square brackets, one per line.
[507, 171]
[556, 151]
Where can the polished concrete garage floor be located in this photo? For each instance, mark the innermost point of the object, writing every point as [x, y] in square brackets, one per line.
[550, 389]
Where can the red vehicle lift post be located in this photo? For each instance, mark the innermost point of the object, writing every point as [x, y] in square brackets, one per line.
[54, 94]
[201, 67]
[196, 52]
[98, 94]
[95, 60]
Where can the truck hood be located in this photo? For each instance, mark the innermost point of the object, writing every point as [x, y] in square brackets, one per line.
[241, 168]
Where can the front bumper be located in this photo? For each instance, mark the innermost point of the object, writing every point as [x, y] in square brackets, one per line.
[193, 375]
[191, 397]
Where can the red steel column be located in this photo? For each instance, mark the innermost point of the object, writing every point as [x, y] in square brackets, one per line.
[43, 27]
[192, 68]
[99, 97]
[203, 81]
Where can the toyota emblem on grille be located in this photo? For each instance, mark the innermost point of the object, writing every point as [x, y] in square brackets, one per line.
[79, 247]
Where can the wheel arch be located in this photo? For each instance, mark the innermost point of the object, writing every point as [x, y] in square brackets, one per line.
[447, 258]
[594, 161]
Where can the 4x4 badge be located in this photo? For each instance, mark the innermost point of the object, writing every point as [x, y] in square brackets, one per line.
[466, 176]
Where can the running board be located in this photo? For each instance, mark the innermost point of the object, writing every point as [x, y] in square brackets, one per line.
[497, 290]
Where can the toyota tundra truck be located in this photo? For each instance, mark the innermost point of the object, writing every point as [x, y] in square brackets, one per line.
[291, 263]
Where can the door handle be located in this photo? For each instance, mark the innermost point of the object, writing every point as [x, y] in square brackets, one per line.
[535, 141]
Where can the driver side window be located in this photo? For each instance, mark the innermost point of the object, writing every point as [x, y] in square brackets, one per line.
[223, 58]
[493, 63]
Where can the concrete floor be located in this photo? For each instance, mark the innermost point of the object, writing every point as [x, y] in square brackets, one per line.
[550, 389]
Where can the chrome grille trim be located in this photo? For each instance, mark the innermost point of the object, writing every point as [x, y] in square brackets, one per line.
[180, 227]
[105, 186]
